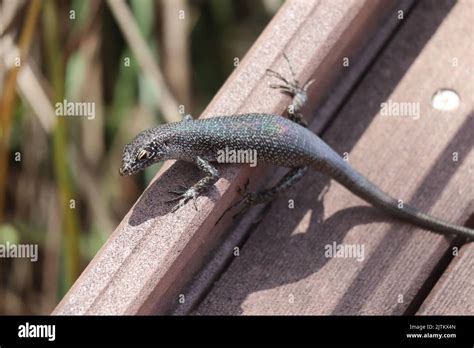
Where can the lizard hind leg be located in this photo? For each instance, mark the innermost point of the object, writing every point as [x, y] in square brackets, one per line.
[265, 196]
[291, 178]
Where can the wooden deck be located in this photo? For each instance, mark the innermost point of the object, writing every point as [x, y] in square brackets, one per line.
[158, 262]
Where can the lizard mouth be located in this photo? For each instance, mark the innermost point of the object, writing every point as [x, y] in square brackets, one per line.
[124, 170]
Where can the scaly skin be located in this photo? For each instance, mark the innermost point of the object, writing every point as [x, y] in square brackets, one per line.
[276, 140]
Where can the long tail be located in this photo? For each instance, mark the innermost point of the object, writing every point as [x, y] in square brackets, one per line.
[340, 171]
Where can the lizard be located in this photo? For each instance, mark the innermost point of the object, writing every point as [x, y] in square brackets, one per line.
[277, 140]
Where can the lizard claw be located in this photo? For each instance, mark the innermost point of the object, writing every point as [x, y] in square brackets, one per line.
[250, 198]
[289, 86]
[174, 199]
[179, 205]
[183, 197]
[194, 202]
[246, 201]
[241, 191]
[179, 191]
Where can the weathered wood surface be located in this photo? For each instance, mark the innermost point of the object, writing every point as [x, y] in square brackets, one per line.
[238, 232]
[454, 292]
[153, 253]
[282, 268]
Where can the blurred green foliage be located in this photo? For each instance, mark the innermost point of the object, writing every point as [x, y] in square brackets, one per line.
[80, 59]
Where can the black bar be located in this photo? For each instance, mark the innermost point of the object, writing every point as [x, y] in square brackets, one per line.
[289, 330]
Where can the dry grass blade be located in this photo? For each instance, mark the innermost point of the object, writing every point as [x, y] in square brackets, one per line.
[9, 9]
[30, 88]
[175, 58]
[127, 24]
[8, 98]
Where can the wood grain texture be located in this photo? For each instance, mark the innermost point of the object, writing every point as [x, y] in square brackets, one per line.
[153, 253]
[454, 292]
[282, 268]
[237, 232]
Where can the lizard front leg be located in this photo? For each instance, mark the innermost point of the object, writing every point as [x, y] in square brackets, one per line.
[292, 88]
[185, 194]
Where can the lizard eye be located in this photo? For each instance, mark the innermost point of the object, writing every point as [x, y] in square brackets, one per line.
[143, 155]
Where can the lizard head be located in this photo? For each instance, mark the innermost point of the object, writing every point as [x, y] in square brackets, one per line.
[148, 147]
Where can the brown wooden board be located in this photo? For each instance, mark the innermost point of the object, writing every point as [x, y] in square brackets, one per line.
[282, 267]
[454, 292]
[237, 233]
[153, 253]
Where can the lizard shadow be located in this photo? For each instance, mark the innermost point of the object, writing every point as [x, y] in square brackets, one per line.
[425, 196]
[290, 253]
[285, 256]
[290, 247]
[153, 201]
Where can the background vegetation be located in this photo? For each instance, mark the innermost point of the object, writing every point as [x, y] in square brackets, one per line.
[138, 61]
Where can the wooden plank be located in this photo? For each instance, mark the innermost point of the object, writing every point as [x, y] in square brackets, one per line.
[454, 292]
[237, 234]
[152, 253]
[282, 267]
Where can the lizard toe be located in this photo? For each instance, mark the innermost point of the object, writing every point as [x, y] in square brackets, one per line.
[183, 197]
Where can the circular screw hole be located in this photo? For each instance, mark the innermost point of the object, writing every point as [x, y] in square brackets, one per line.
[445, 100]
